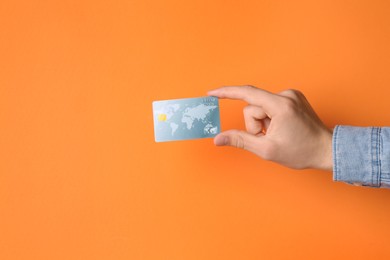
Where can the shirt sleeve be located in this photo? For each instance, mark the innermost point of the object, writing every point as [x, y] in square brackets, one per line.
[361, 155]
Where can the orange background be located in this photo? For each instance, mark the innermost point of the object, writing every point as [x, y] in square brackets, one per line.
[82, 178]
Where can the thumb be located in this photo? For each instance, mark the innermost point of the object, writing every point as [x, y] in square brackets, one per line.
[240, 139]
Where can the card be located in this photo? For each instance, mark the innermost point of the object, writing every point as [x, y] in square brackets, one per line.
[188, 118]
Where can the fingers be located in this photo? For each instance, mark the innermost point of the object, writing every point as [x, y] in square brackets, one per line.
[252, 95]
[240, 139]
[255, 119]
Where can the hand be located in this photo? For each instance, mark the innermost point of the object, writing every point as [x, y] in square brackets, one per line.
[280, 127]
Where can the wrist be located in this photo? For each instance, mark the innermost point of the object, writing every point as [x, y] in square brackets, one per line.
[325, 161]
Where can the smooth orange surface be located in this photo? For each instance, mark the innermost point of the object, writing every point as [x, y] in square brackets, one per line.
[82, 178]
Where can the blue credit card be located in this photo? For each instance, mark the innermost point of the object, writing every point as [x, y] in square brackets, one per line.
[188, 118]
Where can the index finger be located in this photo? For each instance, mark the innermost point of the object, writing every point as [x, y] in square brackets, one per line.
[252, 95]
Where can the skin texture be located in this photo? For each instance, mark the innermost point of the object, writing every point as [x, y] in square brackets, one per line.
[281, 127]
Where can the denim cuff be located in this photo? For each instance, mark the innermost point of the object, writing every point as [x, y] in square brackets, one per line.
[357, 155]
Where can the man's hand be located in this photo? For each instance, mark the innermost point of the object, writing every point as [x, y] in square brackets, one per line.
[280, 127]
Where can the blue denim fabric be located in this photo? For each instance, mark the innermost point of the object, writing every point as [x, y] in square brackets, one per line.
[361, 155]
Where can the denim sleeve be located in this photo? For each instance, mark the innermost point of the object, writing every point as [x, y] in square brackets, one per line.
[361, 155]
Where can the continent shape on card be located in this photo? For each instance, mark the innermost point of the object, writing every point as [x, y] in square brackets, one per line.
[188, 118]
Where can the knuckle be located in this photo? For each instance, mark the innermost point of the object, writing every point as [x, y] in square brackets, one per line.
[246, 110]
[238, 140]
[296, 92]
[249, 87]
[292, 101]
[289, 105]
[292, 93]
